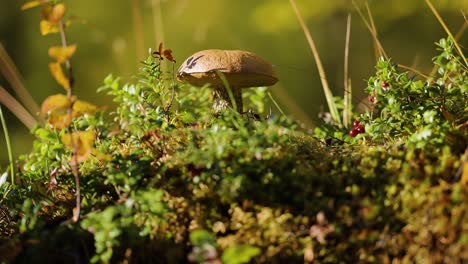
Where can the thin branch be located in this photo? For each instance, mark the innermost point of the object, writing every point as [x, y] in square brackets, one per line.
[74, 145]
[71, 78]
[169, 104]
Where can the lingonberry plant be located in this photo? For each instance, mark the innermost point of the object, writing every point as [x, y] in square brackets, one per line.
[422, 110]
[357, 129]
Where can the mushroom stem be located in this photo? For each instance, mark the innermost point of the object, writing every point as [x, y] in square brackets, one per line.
[223, 101]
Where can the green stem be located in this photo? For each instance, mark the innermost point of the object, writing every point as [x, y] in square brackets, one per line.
[326, 88]
[276, 104]
[7, 140]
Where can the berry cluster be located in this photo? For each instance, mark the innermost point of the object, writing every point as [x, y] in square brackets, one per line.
[373, 96]
[357, 129]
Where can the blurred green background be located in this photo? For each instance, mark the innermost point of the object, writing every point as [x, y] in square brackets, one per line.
[113, 36]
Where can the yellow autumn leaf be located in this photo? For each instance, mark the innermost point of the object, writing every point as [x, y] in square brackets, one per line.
[464, 178]
[61, 54]
[81, 107]
[101, 156]
[48, 28]
[53, 13]
[59, 120]
[57, 72]
[56, 107]
[58, 12]
[56, 102]
[31, 4]
[82, 141]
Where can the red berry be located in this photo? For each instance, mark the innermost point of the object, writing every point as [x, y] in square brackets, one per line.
[385, 84]
[371, 98]
[360, 129]
[353, 132]
[356, 123]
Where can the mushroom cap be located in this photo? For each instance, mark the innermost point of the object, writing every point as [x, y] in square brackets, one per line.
[241, 69]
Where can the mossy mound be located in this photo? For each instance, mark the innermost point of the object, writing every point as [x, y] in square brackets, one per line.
[166, 181]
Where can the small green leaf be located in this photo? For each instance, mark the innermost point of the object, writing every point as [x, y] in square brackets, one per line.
[238, 254]
[200, 237]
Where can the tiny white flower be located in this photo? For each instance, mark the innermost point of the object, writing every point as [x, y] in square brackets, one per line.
[424, 134]
[129, 203]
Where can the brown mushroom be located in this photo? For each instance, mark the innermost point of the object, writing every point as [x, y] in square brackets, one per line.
[241, 69]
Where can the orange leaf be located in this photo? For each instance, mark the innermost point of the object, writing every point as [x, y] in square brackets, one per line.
[58, 74]
[62, 54]
[163, 53]
[53, 13]
[158, 54]
[31, 4]
[168, 54]
[160, 49]
[48, 28]
[82, 141]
